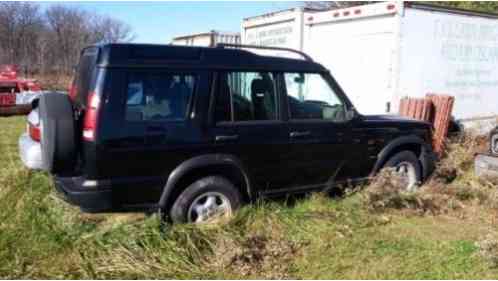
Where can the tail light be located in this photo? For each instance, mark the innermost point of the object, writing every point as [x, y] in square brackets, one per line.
[91, 116]
[34, 132]
[72, 91]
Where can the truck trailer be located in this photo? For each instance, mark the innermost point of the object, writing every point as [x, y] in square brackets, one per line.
[382, 52]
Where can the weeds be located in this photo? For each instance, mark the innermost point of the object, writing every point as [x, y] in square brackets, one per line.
[387, 192]
[363, 235]
[458, 158]
[451, 187]
[488, 248]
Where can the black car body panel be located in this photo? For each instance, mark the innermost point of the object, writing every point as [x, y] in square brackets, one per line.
[138, 163]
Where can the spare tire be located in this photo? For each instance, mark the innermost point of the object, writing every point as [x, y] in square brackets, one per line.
[57, 128]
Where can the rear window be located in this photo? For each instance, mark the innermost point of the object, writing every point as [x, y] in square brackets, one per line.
[158, 96]
[85, 74]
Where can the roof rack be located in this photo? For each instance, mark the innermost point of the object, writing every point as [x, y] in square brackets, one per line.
[305, 56]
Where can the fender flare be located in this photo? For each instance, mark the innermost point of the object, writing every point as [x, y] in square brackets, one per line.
[199, 162]
[386, 151]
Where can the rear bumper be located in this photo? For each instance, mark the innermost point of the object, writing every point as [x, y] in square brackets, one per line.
[30, 152]
[75, 190]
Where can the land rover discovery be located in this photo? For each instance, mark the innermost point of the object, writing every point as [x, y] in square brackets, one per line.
[195, 132]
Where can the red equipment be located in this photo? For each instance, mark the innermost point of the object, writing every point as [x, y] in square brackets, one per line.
[12, 85]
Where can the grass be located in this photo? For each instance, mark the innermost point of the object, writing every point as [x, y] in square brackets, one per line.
[317, 237]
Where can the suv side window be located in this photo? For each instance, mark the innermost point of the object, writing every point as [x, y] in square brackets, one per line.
[311, 97]
[246, 96]
[158, 96]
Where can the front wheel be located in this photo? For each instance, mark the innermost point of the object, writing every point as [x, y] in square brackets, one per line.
[205, 201]
[407, 166]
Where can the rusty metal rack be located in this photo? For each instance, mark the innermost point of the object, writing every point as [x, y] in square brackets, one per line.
[435, 109]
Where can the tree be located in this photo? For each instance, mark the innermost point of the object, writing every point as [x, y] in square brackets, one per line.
[50, 41]
[109, 30]
[67, 27]
[331, 5]
[19, 26]
[478, 6]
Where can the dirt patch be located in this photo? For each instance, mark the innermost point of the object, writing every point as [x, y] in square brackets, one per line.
[259, 256]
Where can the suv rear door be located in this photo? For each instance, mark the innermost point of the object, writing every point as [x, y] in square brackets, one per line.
[152, 129]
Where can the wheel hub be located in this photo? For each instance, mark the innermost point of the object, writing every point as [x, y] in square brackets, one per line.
[209, 206]
[408, 175]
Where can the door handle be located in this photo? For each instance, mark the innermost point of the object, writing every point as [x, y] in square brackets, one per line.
[155, 129]
[227, 138]
[297, 134]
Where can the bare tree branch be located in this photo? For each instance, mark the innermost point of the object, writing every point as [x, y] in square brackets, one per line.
[50, 41]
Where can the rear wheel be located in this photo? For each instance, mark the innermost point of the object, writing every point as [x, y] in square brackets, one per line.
[407, 166]
[57, 129]
[206, 201]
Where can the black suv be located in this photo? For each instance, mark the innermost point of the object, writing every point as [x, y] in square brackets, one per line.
[196, 132]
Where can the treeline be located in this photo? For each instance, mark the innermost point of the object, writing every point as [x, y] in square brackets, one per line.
[48, 41]
[478, 6]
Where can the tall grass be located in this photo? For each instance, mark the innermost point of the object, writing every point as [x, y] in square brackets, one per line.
[315, 237]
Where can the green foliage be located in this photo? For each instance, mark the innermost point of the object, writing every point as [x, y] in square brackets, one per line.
[479, 6]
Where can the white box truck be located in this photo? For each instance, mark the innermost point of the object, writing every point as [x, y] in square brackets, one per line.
[384, 51]
[207, 39]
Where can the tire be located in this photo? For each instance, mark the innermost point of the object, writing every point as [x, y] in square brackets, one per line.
[407, 158]
[493, 142]
[57, 128]
[183, 209]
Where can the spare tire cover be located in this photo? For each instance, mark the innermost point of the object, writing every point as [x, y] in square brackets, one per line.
[57, 129]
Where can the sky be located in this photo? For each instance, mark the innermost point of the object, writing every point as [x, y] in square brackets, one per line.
[159, 22]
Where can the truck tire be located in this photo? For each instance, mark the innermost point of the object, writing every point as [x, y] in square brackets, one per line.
[493, 142]
[205, 200]
[57, 128]
[406, 162]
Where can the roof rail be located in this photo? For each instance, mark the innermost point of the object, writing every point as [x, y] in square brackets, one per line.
[305, 56]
